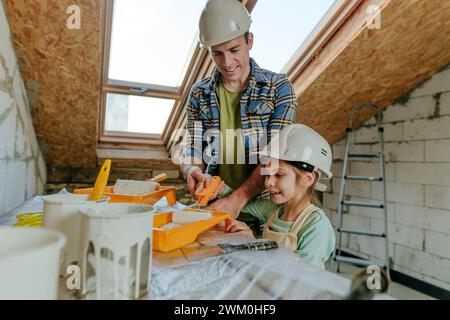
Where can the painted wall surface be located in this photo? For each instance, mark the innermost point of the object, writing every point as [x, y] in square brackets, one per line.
[417, 148]
[22, 167]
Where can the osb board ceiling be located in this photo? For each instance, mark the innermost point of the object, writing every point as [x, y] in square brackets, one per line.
[378, 65]
[61, 69]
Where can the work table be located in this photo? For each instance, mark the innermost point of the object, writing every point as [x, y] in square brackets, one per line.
[251, 275]
[245, 275]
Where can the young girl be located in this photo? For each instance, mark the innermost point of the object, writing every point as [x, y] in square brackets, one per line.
[293, 162]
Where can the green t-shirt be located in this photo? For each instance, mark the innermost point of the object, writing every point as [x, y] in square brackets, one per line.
[316, 239]
[232, 167]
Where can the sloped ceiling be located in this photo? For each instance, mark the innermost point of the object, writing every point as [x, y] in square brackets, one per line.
[374, 65]
[61, 68]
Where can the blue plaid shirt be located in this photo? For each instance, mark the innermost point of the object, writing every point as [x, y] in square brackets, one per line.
[267, 105]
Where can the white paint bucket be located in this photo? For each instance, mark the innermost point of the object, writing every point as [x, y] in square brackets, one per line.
[116, 245]
[61, 213]
[29, 263]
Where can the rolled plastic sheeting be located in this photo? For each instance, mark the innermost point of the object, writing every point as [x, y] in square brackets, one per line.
[134, 187]
[183, 217]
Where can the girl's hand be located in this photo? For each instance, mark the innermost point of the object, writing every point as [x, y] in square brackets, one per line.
[239, 227]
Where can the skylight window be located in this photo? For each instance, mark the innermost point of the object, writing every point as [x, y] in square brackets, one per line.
[151, 58]
[149, 46]
[151, 40]
[280, 27]
[127, 113]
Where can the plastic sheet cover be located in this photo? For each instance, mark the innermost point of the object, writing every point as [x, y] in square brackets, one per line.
[247, 275]
[250, 275]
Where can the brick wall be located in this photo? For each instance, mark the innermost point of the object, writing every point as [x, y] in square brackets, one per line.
[22, 168]
[417, 148]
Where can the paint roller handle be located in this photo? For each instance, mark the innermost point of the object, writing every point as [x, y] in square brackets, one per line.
[158, 178]
[206, 194]
[102, 180]
[253, 246]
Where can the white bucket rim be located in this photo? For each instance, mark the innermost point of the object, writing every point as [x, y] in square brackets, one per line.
[59, 243]
[49, 199]
[91, 214]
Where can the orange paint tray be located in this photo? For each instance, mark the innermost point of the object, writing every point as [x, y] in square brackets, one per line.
[149, 198]
[168, 240]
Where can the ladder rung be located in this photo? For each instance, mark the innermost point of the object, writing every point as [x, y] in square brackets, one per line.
[364, 155]
[363, 178]
[363, 204]
[359, 261]
[361, 232]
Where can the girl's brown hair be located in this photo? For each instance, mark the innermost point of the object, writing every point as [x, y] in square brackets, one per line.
[299, 168]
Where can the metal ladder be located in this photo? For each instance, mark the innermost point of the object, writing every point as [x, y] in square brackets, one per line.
[337, 258]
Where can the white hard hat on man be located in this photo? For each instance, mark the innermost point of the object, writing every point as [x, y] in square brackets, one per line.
[221, 21]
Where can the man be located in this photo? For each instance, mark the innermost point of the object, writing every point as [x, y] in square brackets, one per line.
[238, 96]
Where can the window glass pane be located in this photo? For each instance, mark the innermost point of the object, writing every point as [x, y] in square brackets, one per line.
[151, 40]
[280, 27]
[127, 113]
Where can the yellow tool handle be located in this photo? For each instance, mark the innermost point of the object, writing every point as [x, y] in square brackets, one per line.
[30, 219]
[102, 180]
[29, 215]
[206, 194]
[158, 178]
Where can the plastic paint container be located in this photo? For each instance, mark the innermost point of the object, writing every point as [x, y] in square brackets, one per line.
[29, 263]
[61, 213]
[116, 250]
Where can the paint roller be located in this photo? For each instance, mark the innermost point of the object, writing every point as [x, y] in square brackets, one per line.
[189, 215]
[182, 217]
[134, 187]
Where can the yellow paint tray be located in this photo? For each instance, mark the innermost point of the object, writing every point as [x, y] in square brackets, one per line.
[149, 198]
[168, 240]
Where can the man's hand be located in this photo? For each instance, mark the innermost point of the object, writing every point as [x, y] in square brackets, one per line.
[227, 204]
[234, 203]
[197, 181]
